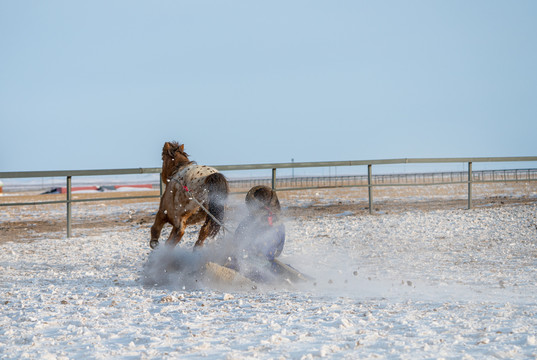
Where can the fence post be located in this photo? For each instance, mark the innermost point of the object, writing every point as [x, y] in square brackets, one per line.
[68, 206]
[274, 179]
[370, 188]
[470, 176]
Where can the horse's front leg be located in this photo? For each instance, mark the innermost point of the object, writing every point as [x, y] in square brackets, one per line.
[156, 229]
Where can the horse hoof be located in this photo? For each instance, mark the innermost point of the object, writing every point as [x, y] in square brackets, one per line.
[153, 244]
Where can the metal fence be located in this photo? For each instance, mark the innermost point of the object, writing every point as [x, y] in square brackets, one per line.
[300, 183]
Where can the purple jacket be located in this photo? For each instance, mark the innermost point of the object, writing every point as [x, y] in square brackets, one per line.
[259, 237]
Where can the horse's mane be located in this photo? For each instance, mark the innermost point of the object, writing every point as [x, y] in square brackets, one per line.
[171, 147]
[170, 150]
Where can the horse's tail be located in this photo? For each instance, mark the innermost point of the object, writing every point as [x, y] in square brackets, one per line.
[218, 192]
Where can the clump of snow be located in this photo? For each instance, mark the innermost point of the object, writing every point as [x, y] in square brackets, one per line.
[439, 284]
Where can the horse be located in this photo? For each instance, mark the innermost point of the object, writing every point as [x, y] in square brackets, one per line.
[194, 193]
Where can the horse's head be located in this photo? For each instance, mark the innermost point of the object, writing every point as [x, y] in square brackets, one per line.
[173, 157]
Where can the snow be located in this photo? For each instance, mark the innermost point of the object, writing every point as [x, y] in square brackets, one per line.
[437, 284]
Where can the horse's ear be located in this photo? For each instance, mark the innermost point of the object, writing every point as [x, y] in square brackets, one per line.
[182, 148]
[167, 150]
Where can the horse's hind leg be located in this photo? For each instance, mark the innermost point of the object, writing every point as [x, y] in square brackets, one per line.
[156, 229]
[204, 232]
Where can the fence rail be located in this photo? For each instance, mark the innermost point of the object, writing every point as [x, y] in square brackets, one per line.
[370, 181]
[408, 179]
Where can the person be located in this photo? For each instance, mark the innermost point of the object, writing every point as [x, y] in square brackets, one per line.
[260, 236]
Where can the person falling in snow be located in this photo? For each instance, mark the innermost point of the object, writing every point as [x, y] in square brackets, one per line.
[260, 236]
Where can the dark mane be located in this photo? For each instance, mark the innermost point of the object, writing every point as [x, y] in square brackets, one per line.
[171, 148]
[173, 158]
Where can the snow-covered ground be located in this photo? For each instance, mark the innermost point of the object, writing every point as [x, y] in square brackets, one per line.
[438, 284]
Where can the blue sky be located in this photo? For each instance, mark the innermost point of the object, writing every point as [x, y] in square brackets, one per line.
[102, 84]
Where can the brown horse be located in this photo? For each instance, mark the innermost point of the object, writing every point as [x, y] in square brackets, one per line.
[188, 186]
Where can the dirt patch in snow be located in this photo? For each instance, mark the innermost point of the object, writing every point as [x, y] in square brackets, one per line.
[29, 222]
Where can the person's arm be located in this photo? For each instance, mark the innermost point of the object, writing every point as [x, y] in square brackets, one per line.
[280, 240]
